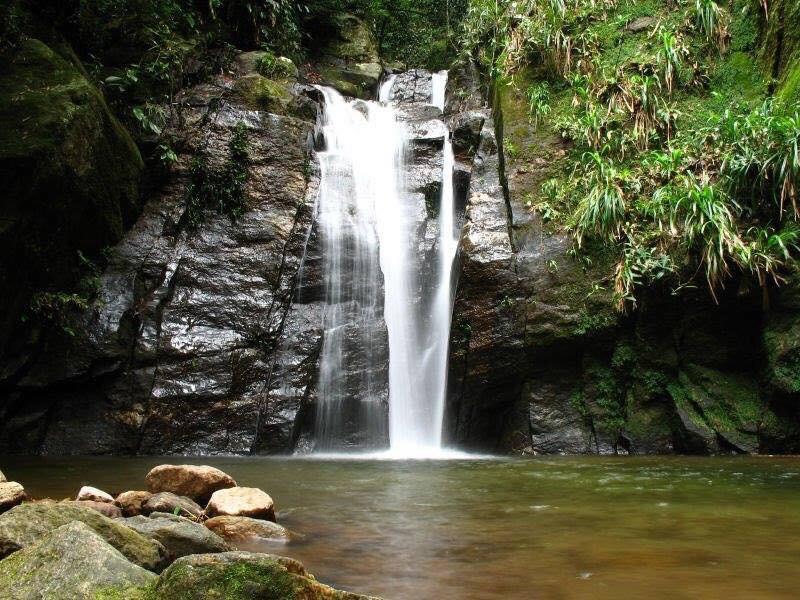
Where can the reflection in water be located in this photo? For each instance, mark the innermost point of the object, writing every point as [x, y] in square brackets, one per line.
[544, 528]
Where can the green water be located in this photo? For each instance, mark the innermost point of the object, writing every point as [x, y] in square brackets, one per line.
[506, 529]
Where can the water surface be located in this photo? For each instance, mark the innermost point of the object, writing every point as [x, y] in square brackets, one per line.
[650, 527]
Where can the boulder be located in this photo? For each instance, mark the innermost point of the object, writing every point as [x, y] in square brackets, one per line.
[104, 508]
[241, 576]
[71, 562]
[88, 492]
[235, 529]
[2, 477]
[178, 535]
[131, 502]
[195, 481]
[167, 502]
[28, 523]
[359, 80]
[349, 39]
[259, 93]
[70, 178]
[11, 494]
[241, 502]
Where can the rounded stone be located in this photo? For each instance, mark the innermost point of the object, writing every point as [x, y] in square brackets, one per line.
[194, 481]
[104, 508]
[11, 494]
[94, 494]
[131, 502]
[235, 529]
[167, 502]
[241, 502]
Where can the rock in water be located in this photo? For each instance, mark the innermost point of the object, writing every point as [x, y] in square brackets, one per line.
[242, 576]
[2, 477]
[71, 562]
[167, 502]
[235, 529]
[104, 508]
[11, 494]
[241, 502]
[88, 492]
[26, 524]
[131, 502]
[178, 535]
[196, 482]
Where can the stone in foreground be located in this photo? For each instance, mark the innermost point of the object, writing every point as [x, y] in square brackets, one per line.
[88, 492]
[71, 562]
[26, 524]
[237, 529]
[195, 481]
[242, 576]
[241, 502]
[2, 477]
[167, 502]
[179, 536]
[131, 502]
[104, 508]
[11, 494]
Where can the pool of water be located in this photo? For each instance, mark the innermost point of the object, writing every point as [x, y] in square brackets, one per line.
[654, 527]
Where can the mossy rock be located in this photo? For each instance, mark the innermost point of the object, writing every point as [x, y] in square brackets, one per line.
[259, 93]
[241, 575]
[726, 403]
[71, 562]
[27, 524]
[359, 80]
[781, 342]
[69, 171]
[350, 39]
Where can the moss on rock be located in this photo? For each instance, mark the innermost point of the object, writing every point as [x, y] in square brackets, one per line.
[69, 171]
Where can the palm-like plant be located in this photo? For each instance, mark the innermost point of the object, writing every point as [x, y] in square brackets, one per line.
[602, 209]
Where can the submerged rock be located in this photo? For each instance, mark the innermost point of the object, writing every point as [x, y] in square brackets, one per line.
[235, 529]
[242, 576]
[131, 502]
[167, 502]
[178, 535]
[196, 482]
[88, 492]
[26, 524]
[71, 562]
[241, 502]
[11, 494]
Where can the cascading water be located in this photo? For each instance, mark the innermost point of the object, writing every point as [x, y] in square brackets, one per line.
[374, 276]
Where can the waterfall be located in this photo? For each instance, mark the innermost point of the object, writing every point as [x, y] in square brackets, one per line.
[377, 287]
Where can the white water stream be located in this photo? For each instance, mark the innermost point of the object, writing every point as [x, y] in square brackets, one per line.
[372, 273]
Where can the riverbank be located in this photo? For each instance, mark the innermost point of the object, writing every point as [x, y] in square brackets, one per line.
[177, 536]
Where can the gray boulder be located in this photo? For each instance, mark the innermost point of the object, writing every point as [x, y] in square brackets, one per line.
[178, 535]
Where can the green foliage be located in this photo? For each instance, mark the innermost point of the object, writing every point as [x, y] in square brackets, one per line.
[221, 190]
[271, 66]
[678, 181]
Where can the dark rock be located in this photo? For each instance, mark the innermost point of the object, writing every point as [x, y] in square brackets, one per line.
[70, 179]
[71, 562]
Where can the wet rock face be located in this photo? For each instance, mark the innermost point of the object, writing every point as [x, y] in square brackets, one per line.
[192, 345]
